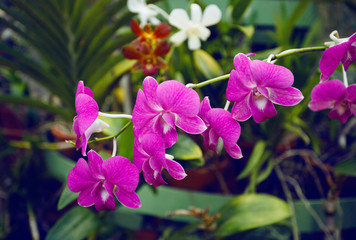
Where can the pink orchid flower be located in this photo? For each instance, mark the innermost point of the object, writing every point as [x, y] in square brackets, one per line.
[149, 157]
[335, 96]
[160, 108]
[256, 85]
[220, 125]
[86, 122]
[98, 180]
[343, 51]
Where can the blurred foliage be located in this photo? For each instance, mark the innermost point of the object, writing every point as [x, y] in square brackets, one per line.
[67, 41]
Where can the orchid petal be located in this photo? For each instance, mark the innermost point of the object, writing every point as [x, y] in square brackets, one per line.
[325, 95]
[121, 172]
[192, 125]
[193, 42]
[211, 16]
[175, 169]
[340, 112]
[227, 128]
[79, 178]
[85, 198]
[330, 59]
[179, 18]
[350, 55]
[152, 177]
[128, 199]
[270, 75]
[142, 114]
[175, 97]
[261, 108]
[139, 155]
[95, 163]
[195, 13]
[135, 5]
[204, 33]
[243, 71]
[241, 110]
[351, 93]
[283, 96]
[178, 37]
[236, 89]
[212, 140]
[150, 89]
[204, 108]
[233, 150]
[87, 110]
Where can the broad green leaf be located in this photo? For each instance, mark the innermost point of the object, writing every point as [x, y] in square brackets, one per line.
[347, 167]
[78, 223]
[185, 149]
[251, 211]
[101, 86]
[58, 165]
[206, 64]
[254, 159]
[238, 9]
[67, 196]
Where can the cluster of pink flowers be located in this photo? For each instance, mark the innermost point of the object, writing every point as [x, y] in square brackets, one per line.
[254, 86]
[333, 94]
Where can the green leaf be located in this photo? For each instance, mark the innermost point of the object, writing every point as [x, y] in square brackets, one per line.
[101, 87]
[185, 149]
[78, 223]
[238, 9]
[266, 172]
[66, 198]
[254, 159]
[347, 167]
[251, 211]
[247, 30]
[206, 64]
[58, 165]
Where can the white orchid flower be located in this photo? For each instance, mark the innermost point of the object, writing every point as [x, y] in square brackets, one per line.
[196, 28]
[146, 12]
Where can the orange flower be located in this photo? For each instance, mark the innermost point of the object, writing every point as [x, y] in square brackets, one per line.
[148, 48]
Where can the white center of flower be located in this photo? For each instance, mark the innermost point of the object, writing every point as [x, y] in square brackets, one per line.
[192, 31]
[104, 194]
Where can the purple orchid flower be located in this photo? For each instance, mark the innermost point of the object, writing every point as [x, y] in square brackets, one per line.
[160, 108]
[98, 180]
[149, 157]
[333, 94]
[343, 51]
[256, 85]
[86, 122]
[220, 125]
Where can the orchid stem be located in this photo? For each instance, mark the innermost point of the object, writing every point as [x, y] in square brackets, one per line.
[346, 83]
[109, 115]
[114, 147]
[270, 58]
[112, 136]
